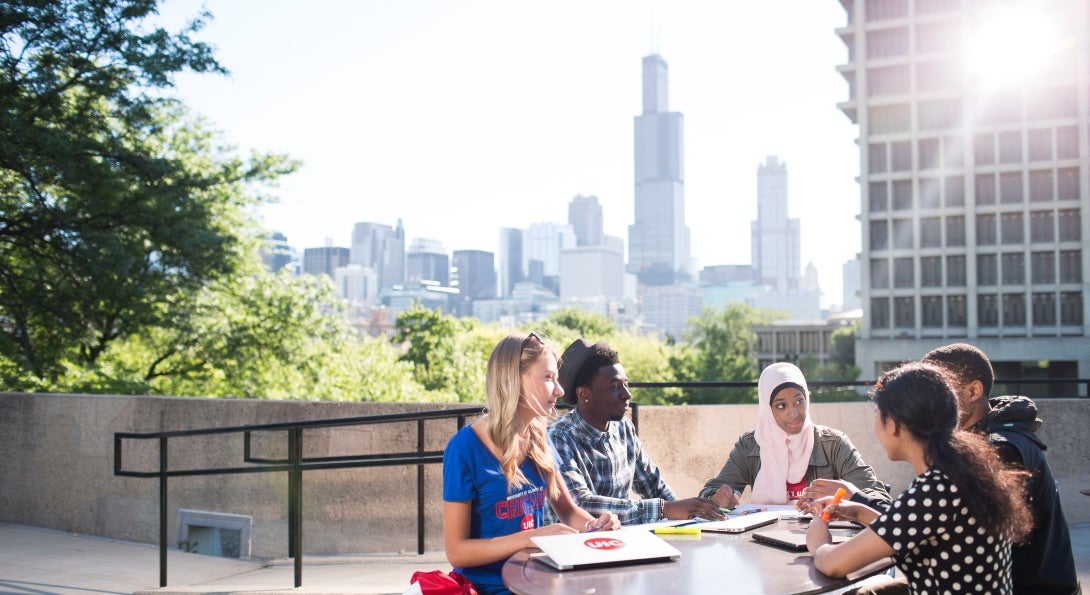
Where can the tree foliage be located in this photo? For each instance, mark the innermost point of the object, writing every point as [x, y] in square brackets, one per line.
[719, 345]
[116, 208]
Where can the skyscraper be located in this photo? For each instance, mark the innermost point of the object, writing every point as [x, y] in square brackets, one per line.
[774, 236]
[658, 240]
[427, 260]
[975, 191]
[510, 269]
[585, 217]
[381, 248]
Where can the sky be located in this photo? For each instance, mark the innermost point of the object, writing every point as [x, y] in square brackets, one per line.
[462, 117]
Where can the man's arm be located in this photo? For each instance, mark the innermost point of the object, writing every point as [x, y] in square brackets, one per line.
[581, 475]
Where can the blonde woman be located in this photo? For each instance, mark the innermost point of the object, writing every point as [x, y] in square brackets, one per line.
[499, 471]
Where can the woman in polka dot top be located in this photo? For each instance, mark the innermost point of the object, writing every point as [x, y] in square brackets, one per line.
[951, 530]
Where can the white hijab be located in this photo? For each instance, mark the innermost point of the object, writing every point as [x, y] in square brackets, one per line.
[784, 457]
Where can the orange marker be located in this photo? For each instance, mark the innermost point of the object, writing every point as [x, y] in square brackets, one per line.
[840, 493]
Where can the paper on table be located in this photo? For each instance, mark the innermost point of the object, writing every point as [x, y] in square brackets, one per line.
[659, 524]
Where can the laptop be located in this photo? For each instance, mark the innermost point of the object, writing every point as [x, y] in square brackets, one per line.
[741, 523]
[596, 549]
[794, 538]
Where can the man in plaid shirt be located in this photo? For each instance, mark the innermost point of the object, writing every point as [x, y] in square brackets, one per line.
[598, 452]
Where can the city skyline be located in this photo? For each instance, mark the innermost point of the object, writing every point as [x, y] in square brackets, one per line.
[464, 120]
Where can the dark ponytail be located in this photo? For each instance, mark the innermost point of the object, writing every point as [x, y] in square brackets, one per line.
[919, 400]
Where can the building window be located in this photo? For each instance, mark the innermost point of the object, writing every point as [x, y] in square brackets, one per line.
[1010, 187]
[1067, 142]
[1071, 308]
[927, 150]
[1070, 226]
[1049, 104]
[985, 229]
[929, 193]
[902, 195]
[955, 230]
[954, 191]
[1005, 108]
[1011, 228]
[952, 147]
[885, 43]
[955, 310]
[987, 309]
[1042, 227]
[931, 271]
[938, 75]
[1044, 309]
[1014, 309]
[1067, 183]
[1040, 144]
[984, 149]
[939, 114]
[900, 156]
[1070, 266]
[955, 270]
[1043, 267]
[986, 273]
[879, 313]
[877, 195]
[938, 36]
[1040, 185]
[888, 119]
[902, 233]
[1014, 268]
[930, 232]
[904, 312]
[984, 191]
[876, 157]
[931, 311]
[891, 80]
[1010, 147]
[903, 275]
[879, 235]
[879, 273]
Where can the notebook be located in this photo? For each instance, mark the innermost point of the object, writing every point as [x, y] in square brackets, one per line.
[741, 523]
[602, 548]
[794, 538]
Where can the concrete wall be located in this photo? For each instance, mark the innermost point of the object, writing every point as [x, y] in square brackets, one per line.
[57, 468]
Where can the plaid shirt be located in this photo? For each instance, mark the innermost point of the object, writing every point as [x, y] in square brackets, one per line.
[604, 469]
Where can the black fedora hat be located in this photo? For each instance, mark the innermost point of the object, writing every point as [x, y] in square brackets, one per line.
[572, 361]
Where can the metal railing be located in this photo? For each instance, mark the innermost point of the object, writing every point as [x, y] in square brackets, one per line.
[294, 465]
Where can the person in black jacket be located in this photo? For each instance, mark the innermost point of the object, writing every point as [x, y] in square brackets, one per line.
[1044, 563]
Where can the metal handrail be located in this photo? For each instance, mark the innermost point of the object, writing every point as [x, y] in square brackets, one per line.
[294, 465]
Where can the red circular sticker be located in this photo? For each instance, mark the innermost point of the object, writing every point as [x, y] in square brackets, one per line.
[528, 522]
[604, 543]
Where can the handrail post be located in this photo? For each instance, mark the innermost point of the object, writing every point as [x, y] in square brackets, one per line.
[420, 488]
[162, 511]
[295, 503]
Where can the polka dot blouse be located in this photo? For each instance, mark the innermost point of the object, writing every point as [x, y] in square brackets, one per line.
[937, 543]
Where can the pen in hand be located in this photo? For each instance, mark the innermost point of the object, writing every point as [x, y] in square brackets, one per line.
[840, 493]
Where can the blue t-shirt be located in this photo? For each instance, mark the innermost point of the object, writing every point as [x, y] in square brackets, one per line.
[472, 474]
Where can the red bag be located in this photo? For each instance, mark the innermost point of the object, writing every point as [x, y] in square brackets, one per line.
[437, 582]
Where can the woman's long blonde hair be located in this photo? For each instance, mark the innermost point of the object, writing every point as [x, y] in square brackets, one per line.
[503, 387]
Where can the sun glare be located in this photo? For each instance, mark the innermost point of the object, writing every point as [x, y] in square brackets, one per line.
[1009, 47]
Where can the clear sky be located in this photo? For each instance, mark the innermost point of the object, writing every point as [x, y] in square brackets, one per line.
[461, 117]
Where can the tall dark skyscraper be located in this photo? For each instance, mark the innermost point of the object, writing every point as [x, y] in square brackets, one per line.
[658, 240]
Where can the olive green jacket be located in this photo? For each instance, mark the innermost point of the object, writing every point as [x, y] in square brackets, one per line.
[834, 457]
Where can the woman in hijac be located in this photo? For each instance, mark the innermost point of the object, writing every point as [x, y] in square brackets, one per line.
[786, 451]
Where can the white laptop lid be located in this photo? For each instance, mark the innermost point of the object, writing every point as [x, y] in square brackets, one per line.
[742, 523]
[603, 548]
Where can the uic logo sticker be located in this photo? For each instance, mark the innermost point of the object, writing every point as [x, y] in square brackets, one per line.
[604, 543]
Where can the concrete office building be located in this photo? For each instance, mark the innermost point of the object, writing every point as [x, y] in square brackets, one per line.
[511, 268]
[474, 275]
[323, 261]
[382, 248]
[975, 180]
[585, 218]
[658, 240]
[427, 260]
[774, 237]
[592, 271]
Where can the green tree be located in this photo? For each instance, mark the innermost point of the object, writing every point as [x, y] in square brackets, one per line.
[116, 208]
[841, 366]
[572, 320]
[719, 346]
